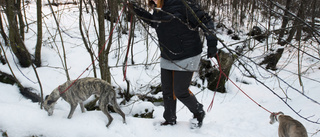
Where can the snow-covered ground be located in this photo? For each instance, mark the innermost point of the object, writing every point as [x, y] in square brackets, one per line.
[233, 113]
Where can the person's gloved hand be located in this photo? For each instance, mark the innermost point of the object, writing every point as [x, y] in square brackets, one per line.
[212, 43]
[131, 4]
[212, 51]
[212, 46]
[212, 40]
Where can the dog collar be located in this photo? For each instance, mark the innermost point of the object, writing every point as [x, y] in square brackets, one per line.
[276, 116]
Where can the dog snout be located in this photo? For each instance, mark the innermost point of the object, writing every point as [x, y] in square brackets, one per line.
[50, 112]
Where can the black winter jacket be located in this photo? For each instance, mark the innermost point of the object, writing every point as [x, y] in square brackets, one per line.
[177, 28]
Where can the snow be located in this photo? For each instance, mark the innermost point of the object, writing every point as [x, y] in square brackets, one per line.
[233, 113]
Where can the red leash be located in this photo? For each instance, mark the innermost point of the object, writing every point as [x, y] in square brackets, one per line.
[211, 104]
[98, 54]
[236, 86]
[126, 59]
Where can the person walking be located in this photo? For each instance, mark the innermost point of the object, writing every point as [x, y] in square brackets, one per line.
[177, 24]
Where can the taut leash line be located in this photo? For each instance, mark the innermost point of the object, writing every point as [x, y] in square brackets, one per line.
[98, 54]
[221, 72]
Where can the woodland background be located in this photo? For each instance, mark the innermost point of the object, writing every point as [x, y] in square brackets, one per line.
[272, 28]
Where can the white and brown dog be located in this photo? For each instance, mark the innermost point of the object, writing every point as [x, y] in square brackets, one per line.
[288, 127]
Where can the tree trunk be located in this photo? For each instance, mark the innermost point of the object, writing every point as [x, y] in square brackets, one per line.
[101, 37]
[301, 14]
[107, 73]
[213, 75]
[3, 33]
[313, 20]
[26, 92]
[62, 42]
[285, 21]
[15, 39]
[296, 29]
[272, 59]
[21, 22]
[104, 61]
[85, 42]
[39, 34]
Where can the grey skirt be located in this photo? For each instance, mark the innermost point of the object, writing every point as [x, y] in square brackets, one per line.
[188, 64]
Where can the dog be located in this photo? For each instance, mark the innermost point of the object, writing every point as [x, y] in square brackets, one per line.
[288, 127]
[77, 91]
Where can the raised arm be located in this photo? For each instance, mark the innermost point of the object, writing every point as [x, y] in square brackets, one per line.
[142, 13]
[200, 18]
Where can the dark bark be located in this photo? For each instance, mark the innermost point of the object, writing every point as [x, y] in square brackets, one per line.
[210, 73]
[2, 59]
[37, 60]
[272, 59]
[3, 33]
[92, 105]
[285, 21]
[26, 92]
[15, 39]
[101, 38]
[113, 8]
[7, 78]
[20, 18]
[297, 28]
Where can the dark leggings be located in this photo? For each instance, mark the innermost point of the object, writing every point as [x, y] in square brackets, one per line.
[175, 84]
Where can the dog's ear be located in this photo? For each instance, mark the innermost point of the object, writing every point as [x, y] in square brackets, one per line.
[50, 102]
[46, 97]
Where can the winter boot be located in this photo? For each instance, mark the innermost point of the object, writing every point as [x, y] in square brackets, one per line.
[169, 113]
[199, 117]
[166, 123]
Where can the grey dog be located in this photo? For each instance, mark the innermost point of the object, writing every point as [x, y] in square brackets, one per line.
[79, 91]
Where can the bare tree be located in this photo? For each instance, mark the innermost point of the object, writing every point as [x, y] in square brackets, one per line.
[37, 60]
[2, 32]
[84, 38]
[16, 40]
[20, 18]
[62, 42]
[285, 21]
[101, 38]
